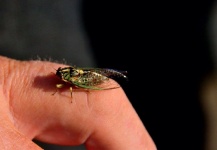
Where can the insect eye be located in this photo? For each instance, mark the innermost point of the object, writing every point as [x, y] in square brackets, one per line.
[58, 72]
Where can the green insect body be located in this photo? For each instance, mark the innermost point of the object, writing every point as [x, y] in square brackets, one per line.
[87, 78]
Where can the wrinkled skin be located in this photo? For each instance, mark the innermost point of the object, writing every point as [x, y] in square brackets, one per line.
[99, 119]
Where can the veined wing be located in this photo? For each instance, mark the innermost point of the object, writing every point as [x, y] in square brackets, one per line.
[111, 73]
[102, 86]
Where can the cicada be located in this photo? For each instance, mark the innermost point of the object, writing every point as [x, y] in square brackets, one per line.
[88, 78]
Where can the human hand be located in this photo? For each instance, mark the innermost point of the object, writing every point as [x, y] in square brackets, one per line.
[100, 119]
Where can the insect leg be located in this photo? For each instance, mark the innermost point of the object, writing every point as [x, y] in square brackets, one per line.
[58, 86]
[71, 92]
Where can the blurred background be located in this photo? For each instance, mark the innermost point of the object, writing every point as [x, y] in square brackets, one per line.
[169, 49]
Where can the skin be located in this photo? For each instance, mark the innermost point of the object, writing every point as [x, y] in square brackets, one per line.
[99, 119]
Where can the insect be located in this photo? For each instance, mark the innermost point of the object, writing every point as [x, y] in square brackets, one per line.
[88, 78]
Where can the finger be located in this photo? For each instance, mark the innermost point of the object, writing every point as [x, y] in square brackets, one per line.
[98, 118]
[10, 137]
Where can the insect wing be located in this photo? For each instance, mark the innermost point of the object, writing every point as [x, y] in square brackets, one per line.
[92, 79]
[103, 86]
[111, 73]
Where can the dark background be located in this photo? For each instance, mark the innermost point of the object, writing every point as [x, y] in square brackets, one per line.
[165, 49]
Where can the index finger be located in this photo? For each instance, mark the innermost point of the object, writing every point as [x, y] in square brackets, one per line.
[101, 119]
